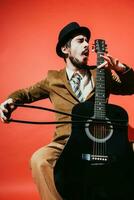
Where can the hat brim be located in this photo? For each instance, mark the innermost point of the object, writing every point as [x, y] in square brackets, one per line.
[81, 30]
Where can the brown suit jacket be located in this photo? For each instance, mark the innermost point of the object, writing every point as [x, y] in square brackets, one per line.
[56, 87]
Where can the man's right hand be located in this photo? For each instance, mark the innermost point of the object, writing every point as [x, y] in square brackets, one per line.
[6, 109]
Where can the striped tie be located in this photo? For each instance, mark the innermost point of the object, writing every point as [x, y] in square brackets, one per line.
[76, 86]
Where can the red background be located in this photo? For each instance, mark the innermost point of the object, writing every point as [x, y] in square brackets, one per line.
[28, 36]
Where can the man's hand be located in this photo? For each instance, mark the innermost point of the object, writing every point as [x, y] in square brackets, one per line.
[5, 110]
[112, 63]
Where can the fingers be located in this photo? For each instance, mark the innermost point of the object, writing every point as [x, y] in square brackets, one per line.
[104, 64]
[109, 59]
[5, 109]
[3, 117]
[116, 62]
[109, 62]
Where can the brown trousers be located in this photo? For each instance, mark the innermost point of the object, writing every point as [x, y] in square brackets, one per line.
[42, 164]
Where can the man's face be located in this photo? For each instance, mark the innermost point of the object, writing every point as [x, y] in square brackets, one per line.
[78, 51]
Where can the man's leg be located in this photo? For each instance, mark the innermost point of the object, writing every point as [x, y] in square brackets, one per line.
[42, 164]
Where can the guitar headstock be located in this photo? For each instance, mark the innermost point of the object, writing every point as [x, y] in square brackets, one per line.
[100, 46]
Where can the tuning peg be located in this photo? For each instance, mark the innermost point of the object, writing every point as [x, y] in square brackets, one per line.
[93, 48]
[106, 49]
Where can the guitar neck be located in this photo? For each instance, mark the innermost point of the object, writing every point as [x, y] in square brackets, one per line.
[99, 107]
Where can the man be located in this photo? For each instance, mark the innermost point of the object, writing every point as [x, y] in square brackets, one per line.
[73, 47]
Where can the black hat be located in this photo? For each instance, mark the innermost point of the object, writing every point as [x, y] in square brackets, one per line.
[68, 32]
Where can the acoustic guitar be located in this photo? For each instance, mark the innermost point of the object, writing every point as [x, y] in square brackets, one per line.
[96, 162]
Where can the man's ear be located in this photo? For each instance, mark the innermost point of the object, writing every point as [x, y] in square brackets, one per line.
[65, 49]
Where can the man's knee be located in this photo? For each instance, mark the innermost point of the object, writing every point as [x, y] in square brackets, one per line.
[46, 156]
[38, 160]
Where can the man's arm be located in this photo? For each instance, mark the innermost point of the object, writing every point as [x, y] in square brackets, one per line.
[33, 93]
[36, 92]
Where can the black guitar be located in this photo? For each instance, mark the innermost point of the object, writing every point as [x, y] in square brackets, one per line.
[95, 163]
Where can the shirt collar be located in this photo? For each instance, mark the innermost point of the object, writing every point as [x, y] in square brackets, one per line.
[70, 73]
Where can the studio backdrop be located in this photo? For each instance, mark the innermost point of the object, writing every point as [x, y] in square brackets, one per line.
[28, 36]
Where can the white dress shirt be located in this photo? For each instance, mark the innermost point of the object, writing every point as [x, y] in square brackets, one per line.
[86, 84]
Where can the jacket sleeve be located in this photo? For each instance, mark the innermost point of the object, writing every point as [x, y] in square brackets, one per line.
[38, 91]
[121, 83]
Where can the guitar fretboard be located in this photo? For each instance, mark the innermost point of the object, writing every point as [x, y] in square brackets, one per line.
[99, 107]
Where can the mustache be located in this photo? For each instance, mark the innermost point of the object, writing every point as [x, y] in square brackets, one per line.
[85, 52]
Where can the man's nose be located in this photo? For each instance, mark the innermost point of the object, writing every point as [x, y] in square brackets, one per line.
[86, 44]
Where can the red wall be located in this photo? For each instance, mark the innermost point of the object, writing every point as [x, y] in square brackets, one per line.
[28, 36]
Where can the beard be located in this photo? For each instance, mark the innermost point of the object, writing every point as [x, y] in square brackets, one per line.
[77, 63]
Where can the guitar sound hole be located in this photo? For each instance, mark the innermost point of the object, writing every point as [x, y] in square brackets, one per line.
[99, 132]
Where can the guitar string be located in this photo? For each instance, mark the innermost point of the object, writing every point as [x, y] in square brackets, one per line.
[100, 130]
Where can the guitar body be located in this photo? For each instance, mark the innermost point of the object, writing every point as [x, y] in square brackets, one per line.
[96, 169]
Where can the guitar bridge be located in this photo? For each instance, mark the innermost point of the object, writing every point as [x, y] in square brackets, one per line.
[95, 159]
